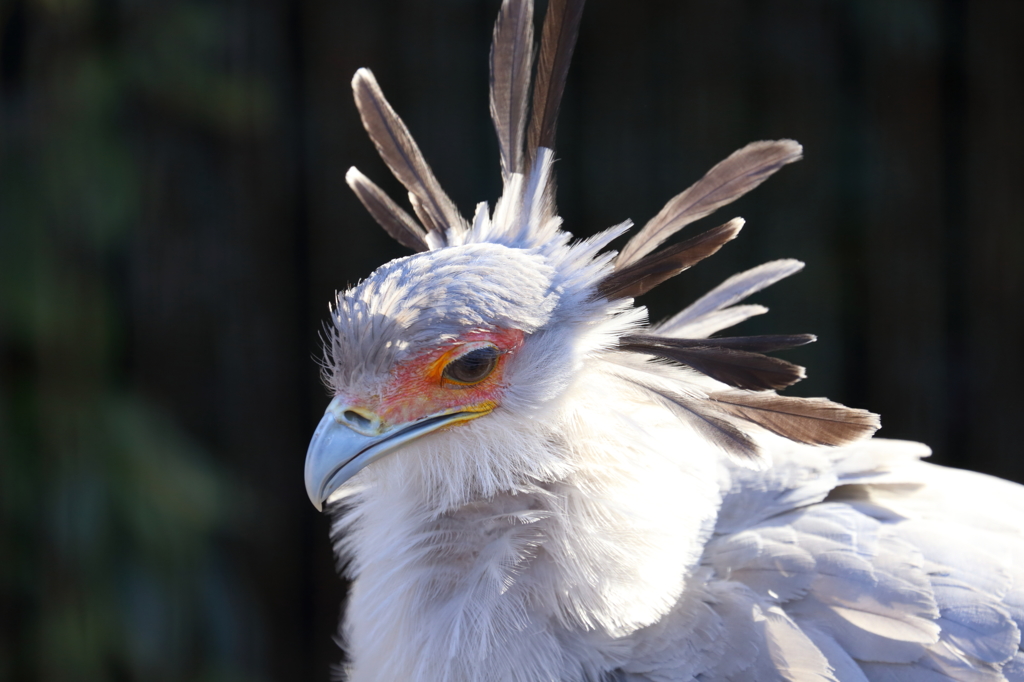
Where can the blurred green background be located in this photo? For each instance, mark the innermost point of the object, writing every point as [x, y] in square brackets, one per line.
[174, 220]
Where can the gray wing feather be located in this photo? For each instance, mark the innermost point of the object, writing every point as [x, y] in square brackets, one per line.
[799, 477]
[830, 588]
[846, 669]
[734, 603]
[768, 559]
[1014, 670]
[878, 672]
[857, 563]
[869, 614]
[929, 577]
[876, 609]
[974, 622]
[791, 652]
[740, 172]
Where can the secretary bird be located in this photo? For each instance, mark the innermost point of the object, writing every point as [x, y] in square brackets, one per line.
[531, 483]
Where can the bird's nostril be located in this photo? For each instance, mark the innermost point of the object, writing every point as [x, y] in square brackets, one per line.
[356, 419]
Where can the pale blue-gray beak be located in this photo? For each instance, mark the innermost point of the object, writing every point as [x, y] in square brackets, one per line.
[346, 440]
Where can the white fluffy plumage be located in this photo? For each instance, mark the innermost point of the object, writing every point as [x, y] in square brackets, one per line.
[613, 501]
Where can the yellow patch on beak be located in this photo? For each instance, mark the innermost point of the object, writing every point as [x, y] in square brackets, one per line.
[471, 412]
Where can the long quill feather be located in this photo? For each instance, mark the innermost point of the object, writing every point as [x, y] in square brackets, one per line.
[732, 290]
[399, 224]
[714, 322]
[740, 172]
[511, 63]
[710, 422]
[728, 361]
[401, 154]
[806, 420]
[558, 40]
[651, 270]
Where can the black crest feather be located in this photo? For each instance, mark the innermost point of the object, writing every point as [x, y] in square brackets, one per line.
[643, 275]
[727, 360]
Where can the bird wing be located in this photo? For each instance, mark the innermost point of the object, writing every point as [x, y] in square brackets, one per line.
[857, 563]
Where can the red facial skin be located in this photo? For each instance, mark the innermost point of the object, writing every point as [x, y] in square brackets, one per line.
[417, 388]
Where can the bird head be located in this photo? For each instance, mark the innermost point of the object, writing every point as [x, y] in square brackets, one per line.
[429, 344]
[453, 365]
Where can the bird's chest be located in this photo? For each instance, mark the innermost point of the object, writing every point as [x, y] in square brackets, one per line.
[452, 592]
[488, 547]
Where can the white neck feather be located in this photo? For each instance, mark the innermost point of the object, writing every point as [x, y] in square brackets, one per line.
[495, 581]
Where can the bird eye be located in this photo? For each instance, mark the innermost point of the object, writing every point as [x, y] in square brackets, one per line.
[473, 367]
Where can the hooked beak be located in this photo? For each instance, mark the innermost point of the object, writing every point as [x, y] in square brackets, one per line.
[343, 444]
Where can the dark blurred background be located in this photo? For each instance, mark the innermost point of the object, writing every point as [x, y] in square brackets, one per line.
[174, 220]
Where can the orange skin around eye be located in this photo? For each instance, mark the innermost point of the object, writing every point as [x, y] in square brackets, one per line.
[418, 389]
